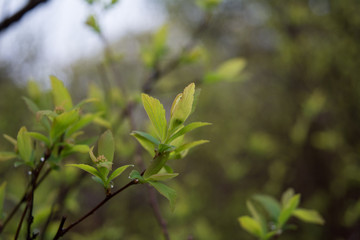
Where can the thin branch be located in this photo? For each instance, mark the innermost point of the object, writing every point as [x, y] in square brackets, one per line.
[31, 4]
[62, 231]
[21, 221]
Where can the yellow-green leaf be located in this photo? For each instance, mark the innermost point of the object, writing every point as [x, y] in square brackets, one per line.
[106, 145]
[156, 113]
[118, 171]
[288, 210]
[24, 144]
[310, 216]
[166, 191]
[227, 71]
[7, 156]
[60, 94]
[250, 225]
[62, 122]
[162, 176]
[190, 145]
[88, 169]
[187, 129]
[10, 139]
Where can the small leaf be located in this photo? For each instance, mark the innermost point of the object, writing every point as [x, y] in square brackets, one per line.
[227, 71]
[288, 210]
[88, 169]
[24, 144]
[83, 121]
[310, 216]
[106, 145]
[145, 143]
[62, 122]
[156, 114]
[250, 225]
[86, 101]
[10, 139]
[147, 136]
[60, 94]
[270, 204]
[102, 122]
[258, 217]
[2, 198]
[287, 195]
[156, 164]
[7, 155]
[118, 171]
[187, 129]
[31, 105]
[40, 137]
[181, 107]
[81, 148]
[190, 145]
[162, 176]
[166, 191]
[136, 175]
[92, 22]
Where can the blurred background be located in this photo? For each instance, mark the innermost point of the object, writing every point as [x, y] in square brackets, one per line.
[289, 119]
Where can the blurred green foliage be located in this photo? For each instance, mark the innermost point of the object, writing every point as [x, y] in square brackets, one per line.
[291, 120]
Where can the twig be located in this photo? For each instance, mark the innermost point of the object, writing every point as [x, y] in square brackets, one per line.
[21, 221]
[62, 231]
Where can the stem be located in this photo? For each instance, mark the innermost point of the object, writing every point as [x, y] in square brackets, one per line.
[20, 223]
[62, 231]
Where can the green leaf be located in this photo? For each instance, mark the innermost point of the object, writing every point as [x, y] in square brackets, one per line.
[83, 121]
[250, 225]
[227, 71]
[92, 22]
[287, 195]
[31, 105]
[146, 144]
[310, 216]
[62, 122]
[86, 101]
[88, 169]
[7, 155]
[102, 122]
[10, 139]
[106, 146]
[288, 210]
[25, 145]
[118, 171]
[166, 191]
[187, 129]
[258, 217]
[81, 148]
[40, 137]
[60, 94]
[270, 204]
[136, 175]
[156, 164]
[156, 113]
[190, 145]
[2, 198]
[162, 176]
[147, 136]
[208, 5]
[181, 107]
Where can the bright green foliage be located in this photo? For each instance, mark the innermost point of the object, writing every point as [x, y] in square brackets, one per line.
[269, 217]
[103, 163]
[60, 94]
[62, 122]
[2, 198]
[227, 71]
[166, 191]
[25, 146]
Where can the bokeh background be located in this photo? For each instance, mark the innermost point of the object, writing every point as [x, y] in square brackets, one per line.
[290, 119]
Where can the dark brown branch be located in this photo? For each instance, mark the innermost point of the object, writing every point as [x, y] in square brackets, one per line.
[62, 231]
[21, 221]
[31, 4]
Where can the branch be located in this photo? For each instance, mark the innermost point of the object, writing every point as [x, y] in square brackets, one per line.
[19, 14]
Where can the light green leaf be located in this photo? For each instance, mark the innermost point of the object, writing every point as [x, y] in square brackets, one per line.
[83, 121]
[136, 175]
[288, 210]
[92, 22]
[148, 145]
[31, 105]
[7, 155]
[162, 176]
[10, 139]
[166, 191]
[270, 204]
[86, 101]
[156, 113]
[310, 216]
[118, 171]
[92, 156]
[287, 195]
[159, 41]
[187, 129]
[81, 148]
[25, 145]
[40, 137]
[156, 164]
[258, 217]
[2, 198]
[88, 169]
[147, 136]
[190, 145]
[102, 122]
[250, 225]
[181, 108]
[227, 71]
[60, 94]
[62, 122]
[106, 145]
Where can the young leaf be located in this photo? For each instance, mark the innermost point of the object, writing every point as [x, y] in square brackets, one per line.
[258, 217]
[60, 94]
[106, 145]
[250, 225]
[10, 139]
[287, 195]
[187, 129]
[270, 204]
[62, 122]
[147, 136]
[2, 198]
[118, 171]
[31, 105]
[83, 121]
[81, 148]
[136, 175]
[88, 169]
[147, 144]
[181, 107]
[156, 164]
[190, 145]
[166, 191]
[40, 137]
[7, 156]
[156, 113]
[228, 71]
[92, 22]
[310, 216]
[24, 144]
[162, 176]
[288, 210]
